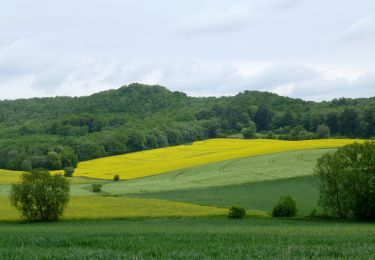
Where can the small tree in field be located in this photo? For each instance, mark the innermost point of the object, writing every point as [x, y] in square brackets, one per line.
[96, 188]
[286, 207]
[249, 132]
[116, 177]
[68, 171]
[237, 212]
[40, 196]
[347, 181]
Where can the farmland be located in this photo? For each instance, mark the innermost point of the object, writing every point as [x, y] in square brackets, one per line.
[143, 216]
[156, 161]
[204, 238]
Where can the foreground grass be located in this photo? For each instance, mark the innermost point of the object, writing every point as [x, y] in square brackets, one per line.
[103, 207]
[156, 161]
[188, 239]
[257, 195]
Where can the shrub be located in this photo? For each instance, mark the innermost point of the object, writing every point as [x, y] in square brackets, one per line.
[68, 171]
[237, 212]
[96, 188]
[116, 177]
[40, 196]
[347, 181]
[286, 207]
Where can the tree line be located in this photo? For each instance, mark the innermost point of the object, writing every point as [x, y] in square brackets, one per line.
[54, 133]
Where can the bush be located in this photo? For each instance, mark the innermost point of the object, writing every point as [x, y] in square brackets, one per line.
[96, 188]
[116, 177]
[40, 196]
[347, 181]
[249, 132]
[68, 171]
[286, 207]
[237, 212]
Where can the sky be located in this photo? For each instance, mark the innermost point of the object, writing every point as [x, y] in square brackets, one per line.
[310, 49]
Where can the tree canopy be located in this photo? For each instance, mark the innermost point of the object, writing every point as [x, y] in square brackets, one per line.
[55, 133]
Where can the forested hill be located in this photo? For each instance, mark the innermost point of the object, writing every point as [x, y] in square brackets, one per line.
[57, 132]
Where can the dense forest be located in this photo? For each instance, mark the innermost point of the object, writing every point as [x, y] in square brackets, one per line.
[58, 132]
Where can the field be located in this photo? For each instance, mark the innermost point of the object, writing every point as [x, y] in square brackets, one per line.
[188, 239]
[260, 196]
[238, 171]
[151, 162]
[163, 211]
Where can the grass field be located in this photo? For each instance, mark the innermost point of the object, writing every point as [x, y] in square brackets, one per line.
[255, 195]
[238, 171]
[156, 161]
[102, 207]
[188, 239]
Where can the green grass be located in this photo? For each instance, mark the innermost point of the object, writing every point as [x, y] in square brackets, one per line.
[188, 239]
[257, 196]
[238, 171]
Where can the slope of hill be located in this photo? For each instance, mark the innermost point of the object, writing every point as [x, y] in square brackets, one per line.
[156, 161]
[57, 132]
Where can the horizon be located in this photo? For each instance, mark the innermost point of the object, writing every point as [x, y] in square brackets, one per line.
[202, 48]
[206, 96]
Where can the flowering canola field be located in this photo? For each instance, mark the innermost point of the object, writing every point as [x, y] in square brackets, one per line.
[162, 160]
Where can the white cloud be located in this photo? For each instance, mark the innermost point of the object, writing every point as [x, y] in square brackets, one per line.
[217, 20]
[361, 28]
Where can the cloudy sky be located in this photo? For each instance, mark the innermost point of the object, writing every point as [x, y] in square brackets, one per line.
[311, 49]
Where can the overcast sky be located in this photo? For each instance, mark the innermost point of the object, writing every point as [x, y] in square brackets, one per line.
[311, 49]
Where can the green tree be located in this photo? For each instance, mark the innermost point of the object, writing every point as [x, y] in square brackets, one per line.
[323, 131]
[348, 122]
[68, 171]
[40, 196]
[249, 132]
[54, 161]
[263, 118]
[286, 207]
[347, 181]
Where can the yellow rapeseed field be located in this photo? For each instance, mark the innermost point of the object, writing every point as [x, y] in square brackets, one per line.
[156, 161]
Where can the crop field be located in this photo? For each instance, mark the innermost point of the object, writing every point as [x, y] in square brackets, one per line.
[204, 238]
[254, 182]
[104, 207]
[259, 196]
[238, 171]
[156, 161]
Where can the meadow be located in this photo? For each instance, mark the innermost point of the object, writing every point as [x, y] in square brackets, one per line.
[203, 238]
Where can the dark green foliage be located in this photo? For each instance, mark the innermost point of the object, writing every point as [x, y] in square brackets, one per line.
[347, 181]
[40, 196]
[68, 171]
[96, 188]
[250, 131]
[116, 177]
[54, 133]
[263, 118]
[188, 239]
[286, 207]
[323, 131]
[236, 212]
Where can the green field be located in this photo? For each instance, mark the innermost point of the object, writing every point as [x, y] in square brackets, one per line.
[257, 196]
[238, 171]
[188, 239]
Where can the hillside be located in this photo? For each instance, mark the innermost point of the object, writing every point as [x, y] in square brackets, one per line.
[58, 132]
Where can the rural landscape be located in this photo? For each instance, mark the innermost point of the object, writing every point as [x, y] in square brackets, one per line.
[226, 129]
[134, 191]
